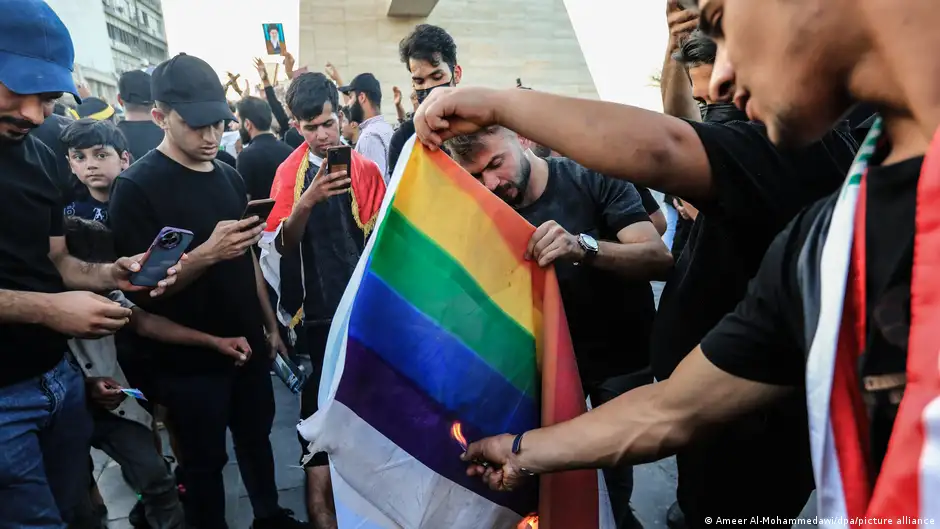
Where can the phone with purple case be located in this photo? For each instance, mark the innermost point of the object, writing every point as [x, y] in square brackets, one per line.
[165, 251]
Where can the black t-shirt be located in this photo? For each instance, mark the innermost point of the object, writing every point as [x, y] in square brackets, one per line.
[293, 138]
[764, 338]
[397, 143]
[649, 201]
[156, 192]
[31, 210]
[142, 136]
[226, 158]
[88, 208]
[49, 133]
[258, 162]
[610, 317]
[758, 189]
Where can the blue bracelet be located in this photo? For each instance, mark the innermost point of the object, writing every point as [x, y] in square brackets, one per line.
[517, 443]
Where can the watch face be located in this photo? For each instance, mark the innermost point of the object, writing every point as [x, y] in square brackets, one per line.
[589, 241]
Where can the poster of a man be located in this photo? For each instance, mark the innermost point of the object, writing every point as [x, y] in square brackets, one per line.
[274, 38]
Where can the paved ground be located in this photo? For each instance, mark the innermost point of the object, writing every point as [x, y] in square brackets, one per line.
[654, 490]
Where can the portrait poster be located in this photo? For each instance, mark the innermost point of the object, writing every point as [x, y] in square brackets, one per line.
[274, 38]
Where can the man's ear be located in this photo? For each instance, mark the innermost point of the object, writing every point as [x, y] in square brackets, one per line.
[125, 160]
[159, 117]
[458, 73]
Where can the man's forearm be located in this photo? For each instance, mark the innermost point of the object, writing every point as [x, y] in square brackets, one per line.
[649, 261]
[292, 232]
[167, 331]
[620, 141]
[22, 307]
[270, 319]
[80, 275]
[677, 91]
[650, 422]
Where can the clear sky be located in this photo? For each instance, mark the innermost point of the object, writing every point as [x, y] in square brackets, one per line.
[623, 40]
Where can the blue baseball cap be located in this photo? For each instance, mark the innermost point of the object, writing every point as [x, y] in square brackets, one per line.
[36, 52]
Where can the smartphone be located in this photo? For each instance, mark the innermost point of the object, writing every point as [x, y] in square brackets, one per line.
[338, 159]
[260, 208]
[165, 251]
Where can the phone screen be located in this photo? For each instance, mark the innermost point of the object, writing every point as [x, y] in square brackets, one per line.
[338, 159]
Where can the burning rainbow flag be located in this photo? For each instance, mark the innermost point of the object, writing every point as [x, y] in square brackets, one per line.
[446, 334]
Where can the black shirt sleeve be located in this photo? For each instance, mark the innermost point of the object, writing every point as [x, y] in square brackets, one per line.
[619, 202]
[649, 202]
[277, 110]
[763, 187]
[762, 340]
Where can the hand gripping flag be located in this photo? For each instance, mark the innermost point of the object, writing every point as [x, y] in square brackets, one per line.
[445, 332]
[285, 275]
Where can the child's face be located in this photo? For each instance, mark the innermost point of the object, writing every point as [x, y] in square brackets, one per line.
[98, 166]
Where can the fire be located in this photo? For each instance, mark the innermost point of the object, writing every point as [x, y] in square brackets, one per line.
[529, 522]
[457, 434]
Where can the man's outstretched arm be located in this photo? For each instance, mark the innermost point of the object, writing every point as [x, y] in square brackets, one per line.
[647, 148]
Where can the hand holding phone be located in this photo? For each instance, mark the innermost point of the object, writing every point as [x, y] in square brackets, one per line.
[326, 185]
[165, 251]
[339, 159]
[230, 238]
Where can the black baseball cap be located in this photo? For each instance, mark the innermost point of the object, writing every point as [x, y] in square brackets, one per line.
[134, 87]
[366, 83]
[191, 87]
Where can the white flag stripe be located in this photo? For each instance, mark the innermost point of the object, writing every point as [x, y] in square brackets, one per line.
[930, 465]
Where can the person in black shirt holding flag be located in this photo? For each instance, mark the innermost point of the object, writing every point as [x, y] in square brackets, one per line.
[844, 306]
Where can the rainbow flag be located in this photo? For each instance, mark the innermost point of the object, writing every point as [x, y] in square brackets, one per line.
[445, 332]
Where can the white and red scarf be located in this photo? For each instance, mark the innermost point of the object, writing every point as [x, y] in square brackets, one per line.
[907, 490]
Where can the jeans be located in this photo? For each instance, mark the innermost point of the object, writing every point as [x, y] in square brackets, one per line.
[619, 479]
[202, 407]
[44, 438]
[144, 469]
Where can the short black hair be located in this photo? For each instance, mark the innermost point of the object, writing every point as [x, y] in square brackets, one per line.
[697, 50]
[309, 93]
[255, 110]
[86, 133]
[344, 110]
[428, 43]
[465, 148]
[374, 97]
[89, 240]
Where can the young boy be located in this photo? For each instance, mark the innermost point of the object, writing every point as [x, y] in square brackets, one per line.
[122, 426]
[98, 153]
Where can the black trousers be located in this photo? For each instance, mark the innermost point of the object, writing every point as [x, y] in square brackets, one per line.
[757, 466]
[312, 340]
[202, 407]
[619, 480]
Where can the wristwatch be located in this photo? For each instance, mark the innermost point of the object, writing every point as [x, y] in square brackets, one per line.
[590, 247]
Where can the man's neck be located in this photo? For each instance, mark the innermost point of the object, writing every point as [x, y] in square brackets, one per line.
[368, 112]
[136, 115]
[101, 195]
[174, 153]
[909, 94]
[538, 179]
[254, 135]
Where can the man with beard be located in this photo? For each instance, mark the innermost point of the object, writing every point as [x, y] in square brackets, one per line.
[365, 108]
[430, 54]
[730, 473]
[598, 235]
[44, 425]
[263, 152]
[315, 235]
[849, 318]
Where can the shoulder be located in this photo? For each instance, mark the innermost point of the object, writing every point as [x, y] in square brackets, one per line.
[587, 180]
[404, 132]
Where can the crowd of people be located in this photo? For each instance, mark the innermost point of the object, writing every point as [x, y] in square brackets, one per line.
[791, 365]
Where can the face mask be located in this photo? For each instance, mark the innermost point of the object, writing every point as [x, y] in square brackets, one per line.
[723, 113]
[424, 92]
